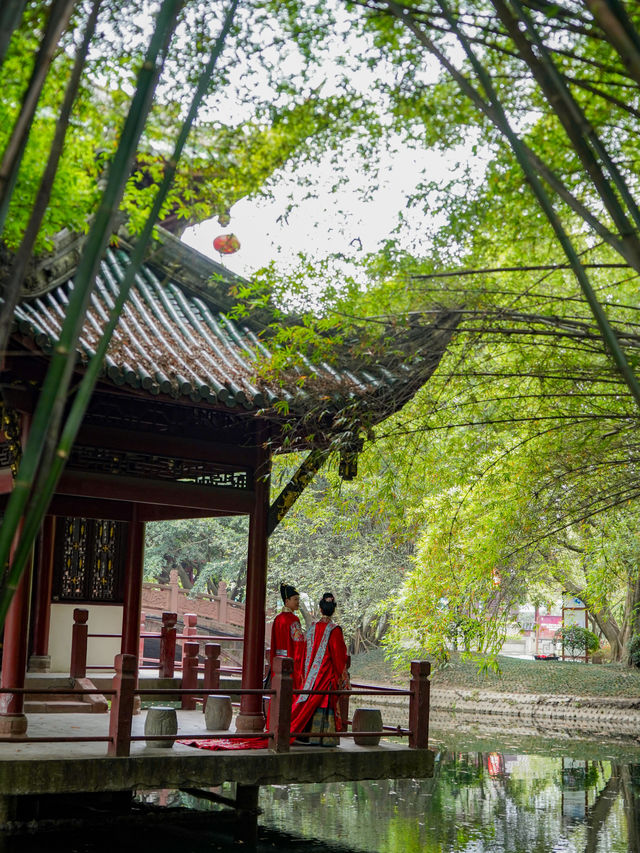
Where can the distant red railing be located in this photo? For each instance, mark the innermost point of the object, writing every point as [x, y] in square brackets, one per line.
[168, 636]
[171, 597]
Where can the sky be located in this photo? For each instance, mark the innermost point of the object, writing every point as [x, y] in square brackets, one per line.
[332, 221]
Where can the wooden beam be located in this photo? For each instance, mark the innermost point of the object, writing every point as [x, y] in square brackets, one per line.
[166, 493]
[155, 512]
[295, 487]
[166, 445]
[69, 505]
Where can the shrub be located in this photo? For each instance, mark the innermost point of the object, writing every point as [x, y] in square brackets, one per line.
[577, 640]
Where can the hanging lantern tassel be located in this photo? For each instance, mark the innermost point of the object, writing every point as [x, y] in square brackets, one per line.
[226, 244]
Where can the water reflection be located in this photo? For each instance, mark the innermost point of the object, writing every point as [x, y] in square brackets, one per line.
[477, 802]
[490, 793]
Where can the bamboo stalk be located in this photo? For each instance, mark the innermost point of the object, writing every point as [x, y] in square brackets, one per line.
[619, 31]
[630, 253]
[10, 14]
[11, 292]
[39, 506]
[12, 157]
[577, 126]
[56, 384]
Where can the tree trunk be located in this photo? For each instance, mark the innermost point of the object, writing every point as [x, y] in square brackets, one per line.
[632, 610]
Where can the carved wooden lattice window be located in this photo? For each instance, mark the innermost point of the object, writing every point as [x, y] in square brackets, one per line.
[89, 560]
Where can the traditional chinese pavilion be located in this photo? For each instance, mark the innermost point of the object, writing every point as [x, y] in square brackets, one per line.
[181, 424]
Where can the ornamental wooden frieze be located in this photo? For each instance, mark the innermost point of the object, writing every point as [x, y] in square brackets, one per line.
[168, 419]
[12, 431]
[155, 467]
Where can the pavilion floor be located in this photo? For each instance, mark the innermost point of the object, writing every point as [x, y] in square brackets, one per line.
[85, 767]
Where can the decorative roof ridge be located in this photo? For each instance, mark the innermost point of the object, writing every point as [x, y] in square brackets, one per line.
[170, 258]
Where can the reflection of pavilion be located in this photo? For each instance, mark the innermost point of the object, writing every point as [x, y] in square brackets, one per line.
[180, 425]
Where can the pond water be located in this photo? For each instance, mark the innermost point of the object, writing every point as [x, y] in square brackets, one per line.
[490, 793]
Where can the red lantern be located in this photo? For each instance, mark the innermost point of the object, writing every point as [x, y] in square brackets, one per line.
[226, 244]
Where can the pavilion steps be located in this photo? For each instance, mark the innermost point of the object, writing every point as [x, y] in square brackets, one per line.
[62, 703]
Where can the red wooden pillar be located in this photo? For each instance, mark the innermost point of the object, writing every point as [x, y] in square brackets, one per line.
[190, 622]
[211, 669]
[16, 633]
[251, 717]
[134, 566]
[189, 674]
[14, 654]
[40, 660]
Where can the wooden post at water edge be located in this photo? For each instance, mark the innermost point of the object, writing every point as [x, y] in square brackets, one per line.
[280, 710]
[79, 634]
[124, 683]
[419, 704]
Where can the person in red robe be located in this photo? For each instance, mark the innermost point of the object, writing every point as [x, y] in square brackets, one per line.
[325, 668]
[287, 636]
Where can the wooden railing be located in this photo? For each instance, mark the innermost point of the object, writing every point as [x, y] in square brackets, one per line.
[281, 692]
[168, 636]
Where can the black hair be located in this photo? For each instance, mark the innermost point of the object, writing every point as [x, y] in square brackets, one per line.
[327, 604]
[287, 591]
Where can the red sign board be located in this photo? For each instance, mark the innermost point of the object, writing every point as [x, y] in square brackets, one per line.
[548, 626]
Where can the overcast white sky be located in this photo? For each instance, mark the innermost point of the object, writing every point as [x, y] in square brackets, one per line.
[333, 221]
[337, 221]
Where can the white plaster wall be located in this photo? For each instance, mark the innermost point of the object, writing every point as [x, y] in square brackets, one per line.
[103, 619]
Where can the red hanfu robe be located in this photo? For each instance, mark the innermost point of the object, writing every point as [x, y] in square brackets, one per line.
[287, 640]
[325, 672]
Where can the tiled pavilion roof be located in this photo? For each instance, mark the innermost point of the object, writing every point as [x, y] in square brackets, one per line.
[175, 338]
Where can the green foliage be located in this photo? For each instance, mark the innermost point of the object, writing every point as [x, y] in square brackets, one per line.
[328, 542]
[203, 551]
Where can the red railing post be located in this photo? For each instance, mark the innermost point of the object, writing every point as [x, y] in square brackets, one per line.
[168, 645]
[78, 668]
[419, 704]
[211, 669]
[280, 713]
[190, 624]
[189, 674]
[343, 703]
[124, 683]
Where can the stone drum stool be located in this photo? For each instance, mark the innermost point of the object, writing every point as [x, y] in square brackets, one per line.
[366, 720]
[161, 721]
[218, 713]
